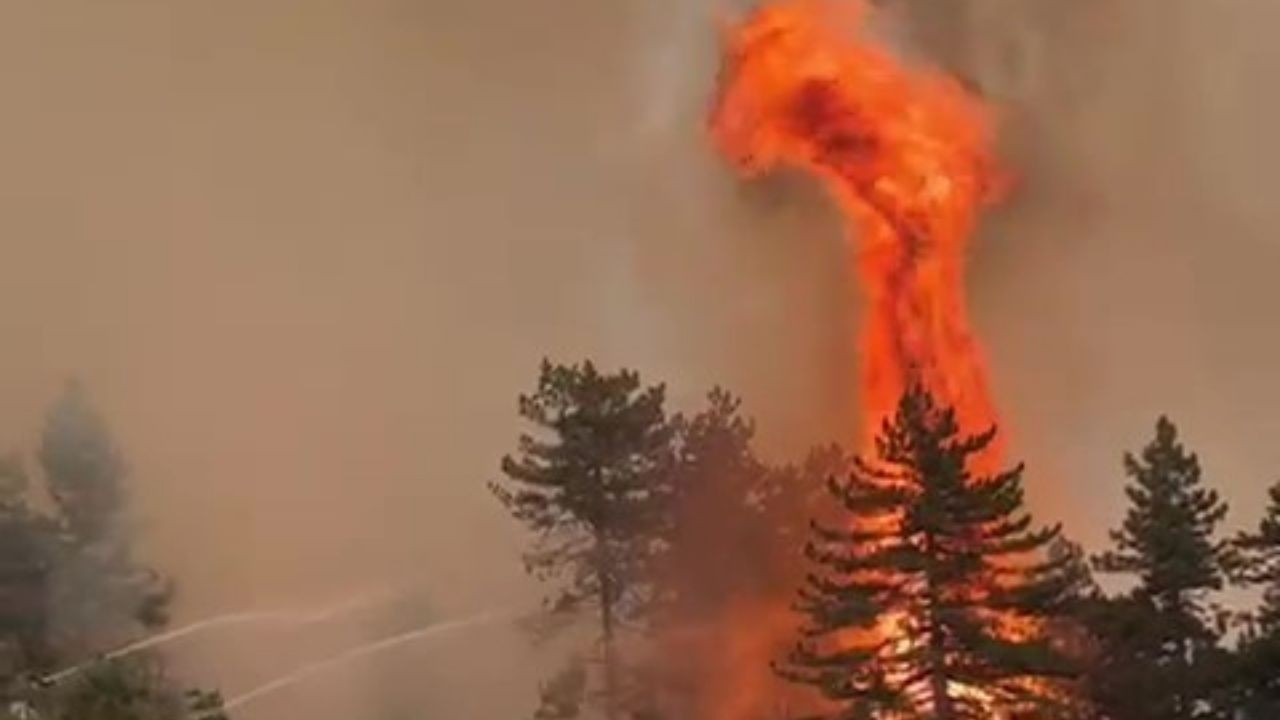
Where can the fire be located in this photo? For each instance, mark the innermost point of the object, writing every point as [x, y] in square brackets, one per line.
[905, 152]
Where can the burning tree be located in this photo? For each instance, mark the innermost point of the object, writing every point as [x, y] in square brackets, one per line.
[728, 503]
[930, 601]
[718, 485]
[907, 153]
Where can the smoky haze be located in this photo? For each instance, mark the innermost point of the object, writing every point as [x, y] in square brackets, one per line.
[1131, 273]
[305, 255]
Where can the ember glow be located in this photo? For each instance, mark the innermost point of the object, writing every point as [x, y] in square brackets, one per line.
[905, 152]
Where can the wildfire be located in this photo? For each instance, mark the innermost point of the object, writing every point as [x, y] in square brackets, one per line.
[905, 151]
[907, 154]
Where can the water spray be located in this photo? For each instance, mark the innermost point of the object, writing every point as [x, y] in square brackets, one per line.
[360, 651]
[294, 618]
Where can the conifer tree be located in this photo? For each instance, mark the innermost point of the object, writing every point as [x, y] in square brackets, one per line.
[1168, 538]
[101, 594]
[718, 487]
[928, 600]
[1257, 564]
[727, 502]
[725, 534]
[1160, 658]
[589, 482]
[27, 541]
[98, 595]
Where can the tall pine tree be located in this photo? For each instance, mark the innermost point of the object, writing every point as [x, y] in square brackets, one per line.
[929, 599]
[1159, 656]
[1168, 539]
[589, 482]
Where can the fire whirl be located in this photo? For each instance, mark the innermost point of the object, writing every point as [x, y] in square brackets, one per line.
[905, 152]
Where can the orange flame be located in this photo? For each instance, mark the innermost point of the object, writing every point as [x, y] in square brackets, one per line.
[906, 152]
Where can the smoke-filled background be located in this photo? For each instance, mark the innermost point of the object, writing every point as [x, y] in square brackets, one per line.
[304, 254]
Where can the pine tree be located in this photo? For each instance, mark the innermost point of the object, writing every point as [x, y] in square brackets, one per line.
[718, 489]
[1168, 537]
[83, 469]
[99, 596]
[590, 484]
[69, 587]
[102, 595]
[1160, 658]
[27, 541]
[929, 600]
[725, 504]
[1257, 564]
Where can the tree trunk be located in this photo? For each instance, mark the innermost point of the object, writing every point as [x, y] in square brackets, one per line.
[610, 663]
[938, 685]
[942, 709]
[609, 659]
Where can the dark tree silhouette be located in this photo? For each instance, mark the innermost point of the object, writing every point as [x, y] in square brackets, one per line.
[27, 550]
[1168, 537]
[1256, 564]
[1159, 654]
[590, 483]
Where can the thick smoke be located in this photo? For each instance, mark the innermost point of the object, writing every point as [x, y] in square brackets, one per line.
[1128, 277]
[305, 254]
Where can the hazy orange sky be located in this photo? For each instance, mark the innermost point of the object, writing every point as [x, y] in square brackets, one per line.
[306, 253]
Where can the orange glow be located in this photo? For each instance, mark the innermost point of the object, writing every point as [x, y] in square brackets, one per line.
[906, 152]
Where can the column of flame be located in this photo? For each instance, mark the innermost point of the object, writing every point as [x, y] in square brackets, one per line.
[906, 153]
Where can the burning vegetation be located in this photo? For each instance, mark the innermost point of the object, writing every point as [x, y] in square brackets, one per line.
[900, 578]
[905, 581]
[900, 584]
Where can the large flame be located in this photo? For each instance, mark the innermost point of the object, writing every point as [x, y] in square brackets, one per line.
[905, 151]
[907, 154]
